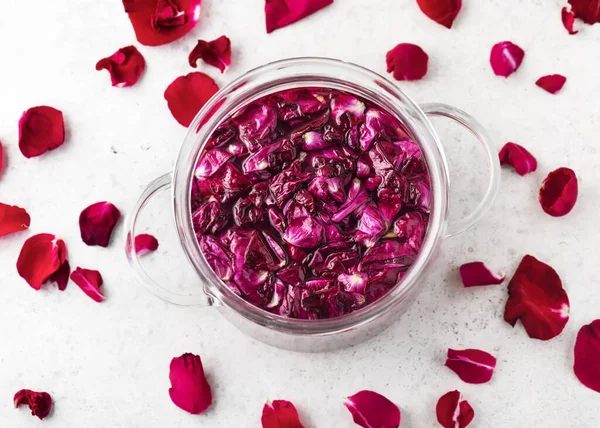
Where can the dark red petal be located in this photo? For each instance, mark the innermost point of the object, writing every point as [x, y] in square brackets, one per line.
[586, 10]
[568, 20]
[280, 13]
[551, 83]
[370, 409]
[454, 412]
[537, 298]
[216, 53]
[157, 22]
[280, 414]
[407, 62]
[518, 157]
[13, 219]
[89, 281]
[145, 243]
[471, 365]
[41, 256]
[477, 273]
[97, 222]
[505, 58]
[189, 389]
[40, 403]
[188, 94]
[125, 66]
[40, 129]
[587, 355]
[558, 193]
[61, 276]
[441, 11]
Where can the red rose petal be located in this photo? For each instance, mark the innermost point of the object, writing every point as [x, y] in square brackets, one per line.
[551, 83]
[216, 53]
[537, 298]
[370, 409]
[441, 11]
[471, 365]
[189, 389]
[89, 281]
[454, 412]
[586, 10]
[41, 256]
[157, 22]
[145, 243]
[97, 222]
[280, 414]
[407, 62]
[61, 276]
[477, 273]
[558, 193]
[518, 157]
[505, 58]
[40, 129]
[568, 20]
[188, 94]
[587, 355]
[40, 403]
[125, 66]
[280, 13]
[13, 219]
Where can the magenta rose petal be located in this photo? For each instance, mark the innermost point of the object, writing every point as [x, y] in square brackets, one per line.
[568, 20]
[89, 281]
[454, 412]
[13, 219]
[443, 12]
[559, 191]
[471, 365]
[407, 62]
[125, 66]
[280, 414]
[189, 390]
[518, 157]
[586, 10]
[41, 256]
[370, 409]
[40, 403]
[587, 355]
[280, 13]
[552, 83]
[41, 129]
[477, 274]
[145, 243]
[61, 276]
[505, 58]
[97, 222]
[186, 95]
[216, 53]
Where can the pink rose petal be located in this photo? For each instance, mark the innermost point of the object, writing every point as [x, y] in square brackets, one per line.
[41, 256]
[454, 412]
[407, 62]
[125, 66]
[89, 281]
[145, 243]
[186, 95]
[477, 274]
[559, 191]
[13, 219]
[586, 10]
[587, 355]
[518, 157]
[61, 276]
[216, 53]
[41, 129]
[552, 83]
[280, 13]
[189, 389]
[443, 12]
[568, 20]
[280, 414]
[505, 58]
[40, 403]
[471, 365]
[370, 409]
[97, 222]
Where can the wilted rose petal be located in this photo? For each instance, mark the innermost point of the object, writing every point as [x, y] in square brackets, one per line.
[189, 389]
[280, 414]
[477, 273]
[587, 355]
[40, 403]
[125, 66]
[145, 243]
[407, 62]
[280, 13]
[97, 222]
[89, 281]
[586, 10]
[454, 412]
[506, 57]
[537, 298]
[558, 193]
[552, 83]
[568, 20]
[41, 256]
[216, 53]
[370, 409]
[41, 129]
[471, 365]
[518, 157]
[13, 219]
[61, 276]
[186, 95]
[441, 11]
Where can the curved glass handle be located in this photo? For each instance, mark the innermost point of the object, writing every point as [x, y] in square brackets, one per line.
[467, 121]
[161, 184]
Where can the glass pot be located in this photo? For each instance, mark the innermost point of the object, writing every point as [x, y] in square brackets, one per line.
[323, 334]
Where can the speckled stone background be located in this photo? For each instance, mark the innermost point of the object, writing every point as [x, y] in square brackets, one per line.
[106, 365]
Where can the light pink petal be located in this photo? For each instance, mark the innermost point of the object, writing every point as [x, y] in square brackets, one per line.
[477, 273]
[587, 355]
[189, 389]
[407, 62]
[145, 243]
[89, 281]
[559, 191]
[552, 83]
[370, 409]
[568, 20]
[280, 414]
[454, 412]
[471, 365]
[518, 157]
[505, 58]
[97, 222]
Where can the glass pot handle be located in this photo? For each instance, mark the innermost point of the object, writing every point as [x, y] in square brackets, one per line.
[160, 184]
[467, 121]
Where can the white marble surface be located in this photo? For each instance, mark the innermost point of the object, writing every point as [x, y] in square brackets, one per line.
[106, 365]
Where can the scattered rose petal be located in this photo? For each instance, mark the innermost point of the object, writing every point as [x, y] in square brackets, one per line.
[506, 57]
[280, 414]
[158, 22]
[370, 409]
[568, 20]
[188, 94]
[13, 219]
[41, 256]
[537, 298]
[41, 129]
[125, 66]
[61, 276]
[216, 53]
[471, 365]
[443, 12]
[40, 403]
[586, 10]
[97, 222]
[552, 83]
[587, 355]
[558, 193]
[145, 243]
[454, 412]
[518, 157]
[89, 281]
[280, 13]
[477, 273]
[189, 389]
[407, 62]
